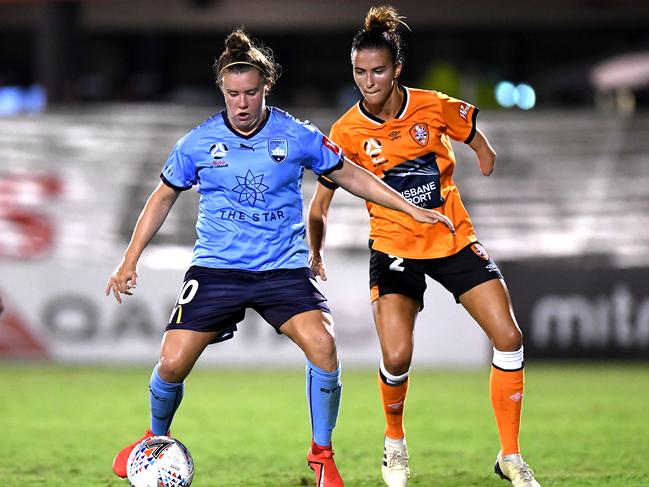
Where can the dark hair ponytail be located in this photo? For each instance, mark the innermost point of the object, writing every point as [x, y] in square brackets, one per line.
[243, 54]
[380, 31]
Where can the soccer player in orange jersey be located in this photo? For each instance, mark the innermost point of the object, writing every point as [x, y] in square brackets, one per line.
[403, 135]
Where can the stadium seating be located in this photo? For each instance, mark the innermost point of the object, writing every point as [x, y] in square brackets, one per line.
[567, 183]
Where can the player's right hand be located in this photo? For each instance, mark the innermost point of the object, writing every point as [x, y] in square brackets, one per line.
[318, 266]
[123, 280]
[423, 215]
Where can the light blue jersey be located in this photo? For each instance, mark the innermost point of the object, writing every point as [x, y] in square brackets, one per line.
[250, 212]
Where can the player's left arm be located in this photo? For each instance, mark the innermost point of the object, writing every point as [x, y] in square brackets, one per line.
[486, 154]
[364, 184]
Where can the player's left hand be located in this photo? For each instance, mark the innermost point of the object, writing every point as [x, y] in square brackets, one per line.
[423, 215]
[318, 266]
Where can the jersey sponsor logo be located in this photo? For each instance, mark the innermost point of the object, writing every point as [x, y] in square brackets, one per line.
[421, 195]
[331, 145]
[464, 110]
[417, 181]
[419, 133]
[219, 150]
[251, 188]
[372, 147]
[480, 251]
[278, 149]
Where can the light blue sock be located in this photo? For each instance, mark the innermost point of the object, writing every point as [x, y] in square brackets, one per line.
[164, 398]
[323, 391]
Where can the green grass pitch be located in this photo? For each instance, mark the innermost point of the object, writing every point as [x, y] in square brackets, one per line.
[584, 425]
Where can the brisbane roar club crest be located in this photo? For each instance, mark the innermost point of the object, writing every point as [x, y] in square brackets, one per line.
[419, 133]
[480, 251]
[278, 149]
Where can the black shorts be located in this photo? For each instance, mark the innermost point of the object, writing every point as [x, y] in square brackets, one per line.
[216, 299]
[457, 273]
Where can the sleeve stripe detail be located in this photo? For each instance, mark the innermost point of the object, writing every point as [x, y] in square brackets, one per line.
[335, 168]
[173, 186]
[473, 126]
[327, 183]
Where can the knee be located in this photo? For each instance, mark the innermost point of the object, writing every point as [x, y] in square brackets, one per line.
[509, 341]
[172, 369]
[321, 350]
[397, 361]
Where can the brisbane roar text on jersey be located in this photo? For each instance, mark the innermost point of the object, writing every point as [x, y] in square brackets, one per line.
[412, 153]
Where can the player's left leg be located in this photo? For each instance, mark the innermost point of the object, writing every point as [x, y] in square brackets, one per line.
[490, 305]
[313, 332]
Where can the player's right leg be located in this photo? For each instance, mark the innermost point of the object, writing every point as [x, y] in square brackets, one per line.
[207, 309]
[397, 290]
[179, 351]
[394, 317]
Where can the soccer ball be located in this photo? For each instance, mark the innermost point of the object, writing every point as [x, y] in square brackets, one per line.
[160, 461]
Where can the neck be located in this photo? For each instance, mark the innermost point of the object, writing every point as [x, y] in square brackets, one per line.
[389, 109]
[255, 124]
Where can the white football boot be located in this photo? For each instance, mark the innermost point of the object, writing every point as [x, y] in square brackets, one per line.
[395, 468]
[513, 468]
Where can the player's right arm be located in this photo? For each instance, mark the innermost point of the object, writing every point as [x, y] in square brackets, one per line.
[156, 209]
[317, 228]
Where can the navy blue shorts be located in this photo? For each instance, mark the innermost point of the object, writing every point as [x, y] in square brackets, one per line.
[458, 273]
[216, 299]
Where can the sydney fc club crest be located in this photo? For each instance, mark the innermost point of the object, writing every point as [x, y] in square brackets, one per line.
[419, 133]
[278, 149]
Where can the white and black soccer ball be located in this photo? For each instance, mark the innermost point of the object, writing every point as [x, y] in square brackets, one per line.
[160, 461]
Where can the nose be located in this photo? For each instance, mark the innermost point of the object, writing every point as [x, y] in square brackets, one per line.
[369, 80]
[242, 102]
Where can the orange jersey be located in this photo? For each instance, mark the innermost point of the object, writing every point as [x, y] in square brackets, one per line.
[412, 153]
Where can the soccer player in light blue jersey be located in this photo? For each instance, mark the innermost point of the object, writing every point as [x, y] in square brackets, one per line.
[248, 162]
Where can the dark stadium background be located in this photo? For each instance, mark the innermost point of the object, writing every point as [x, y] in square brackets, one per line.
[566, 213]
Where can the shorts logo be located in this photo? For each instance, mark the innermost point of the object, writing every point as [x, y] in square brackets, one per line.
[278, 149]
[373, 148]
[419, 133]
[464, 110]
[219, 150]
[480, 251]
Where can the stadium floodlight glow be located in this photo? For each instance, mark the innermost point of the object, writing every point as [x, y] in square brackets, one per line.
[10, 100]
[504, 93]
[524, 96]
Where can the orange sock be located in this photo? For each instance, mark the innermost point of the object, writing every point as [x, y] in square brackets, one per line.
[506, 389]
[393, 399]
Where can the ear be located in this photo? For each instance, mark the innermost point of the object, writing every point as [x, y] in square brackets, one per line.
[397, 70]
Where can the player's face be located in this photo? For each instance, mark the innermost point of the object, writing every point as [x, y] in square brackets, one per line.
[374, 74]
[245, 98]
